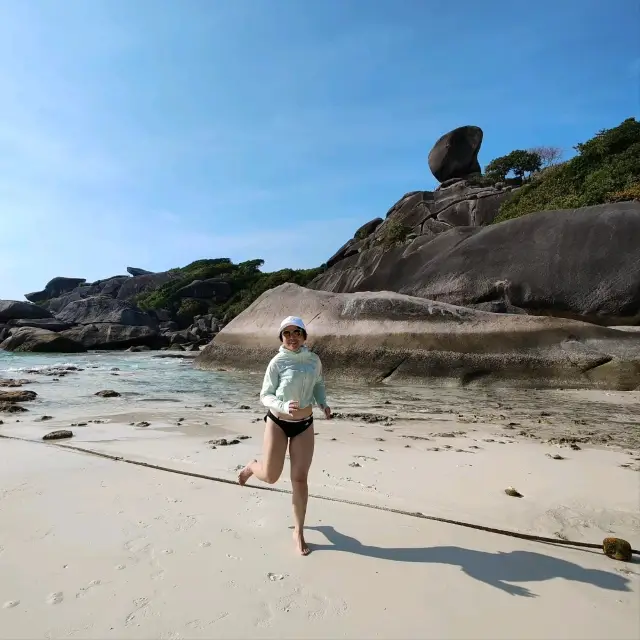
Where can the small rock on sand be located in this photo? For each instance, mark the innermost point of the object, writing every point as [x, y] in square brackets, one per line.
[17, 396]
[58, 435]
[12, 382]
[617, 548]
[222, 442]
[10, 407]
[108, 393]
[514, 493]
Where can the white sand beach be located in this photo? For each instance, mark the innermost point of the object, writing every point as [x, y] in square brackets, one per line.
[94, 548]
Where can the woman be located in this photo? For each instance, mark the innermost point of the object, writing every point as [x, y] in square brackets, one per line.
[292, 382]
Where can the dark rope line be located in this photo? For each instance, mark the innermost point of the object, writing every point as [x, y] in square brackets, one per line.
[413, 514]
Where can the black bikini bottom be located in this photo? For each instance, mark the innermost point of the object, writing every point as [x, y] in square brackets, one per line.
[291, 429]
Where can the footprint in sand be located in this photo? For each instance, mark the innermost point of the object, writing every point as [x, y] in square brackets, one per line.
[205, 544]
[120, 567]
[137, 545]
[140, 605]
[9, 604]
[167, 552]
[274, 577]
[55, 598]
[84, 590]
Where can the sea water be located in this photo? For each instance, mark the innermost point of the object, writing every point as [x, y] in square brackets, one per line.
[137, 377]
[150, 380]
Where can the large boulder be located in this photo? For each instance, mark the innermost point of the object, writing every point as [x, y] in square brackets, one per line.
[136, 271]
[40, 341]
[455, 154]
[19, 310]
[103, 309]
[133, 287]
[114, 336]
[390, 337]
[582, 263]
[211, 289]
[51, 324]
[55, 288]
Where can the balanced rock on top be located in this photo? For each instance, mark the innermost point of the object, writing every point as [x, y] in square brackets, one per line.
[455, 154]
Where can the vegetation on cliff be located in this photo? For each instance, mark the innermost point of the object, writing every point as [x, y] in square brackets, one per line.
[606, 169]
[246, 281]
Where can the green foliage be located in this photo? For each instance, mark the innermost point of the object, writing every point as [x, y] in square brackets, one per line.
[631, 193]
[394, 232]
[606, 166]
[189, 309]
[518, 161]
[246, 280]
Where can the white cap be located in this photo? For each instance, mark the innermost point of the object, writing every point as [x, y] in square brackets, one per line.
[292, 321]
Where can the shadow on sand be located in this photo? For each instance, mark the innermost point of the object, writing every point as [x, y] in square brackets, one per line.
[495, 569]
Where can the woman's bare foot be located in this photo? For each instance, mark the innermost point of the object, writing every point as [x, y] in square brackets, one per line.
[301, 545]
[245, 474]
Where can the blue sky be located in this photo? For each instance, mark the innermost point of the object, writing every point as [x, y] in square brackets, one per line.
[151, 133]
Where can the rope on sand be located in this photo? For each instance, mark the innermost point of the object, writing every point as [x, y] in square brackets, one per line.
[413, 514]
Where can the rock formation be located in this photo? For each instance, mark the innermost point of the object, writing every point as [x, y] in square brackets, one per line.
[40, 340]
[55, 288]
[427, 213]
[583, 264]
[455, 154]
[73, 315]
[391, 337]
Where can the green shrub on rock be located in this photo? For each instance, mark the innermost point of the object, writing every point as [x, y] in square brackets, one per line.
[606, 168]
[246, 281]
[394, 232]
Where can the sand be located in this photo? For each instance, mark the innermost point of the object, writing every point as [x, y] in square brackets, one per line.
[93, 548]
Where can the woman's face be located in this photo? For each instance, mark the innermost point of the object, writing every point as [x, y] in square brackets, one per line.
[292, 338]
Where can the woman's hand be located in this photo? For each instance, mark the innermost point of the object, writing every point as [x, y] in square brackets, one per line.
[327, 413]
[294, 409]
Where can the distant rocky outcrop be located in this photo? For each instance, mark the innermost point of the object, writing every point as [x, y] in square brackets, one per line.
[210, 289]
[55, 288]
[114, 336]
[19, 310]
[105, 310]
[40, 340]
[136, 271]
[72, 315]
[583, 264]
[391, 337]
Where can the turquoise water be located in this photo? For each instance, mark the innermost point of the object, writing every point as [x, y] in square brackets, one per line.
[138, 377]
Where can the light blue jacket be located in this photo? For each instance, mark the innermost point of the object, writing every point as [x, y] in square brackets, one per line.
[293, 375]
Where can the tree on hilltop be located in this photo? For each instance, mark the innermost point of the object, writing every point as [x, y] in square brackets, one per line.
[519, 162]
[548, 155]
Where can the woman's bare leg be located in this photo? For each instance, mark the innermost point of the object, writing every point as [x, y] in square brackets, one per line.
[301, 454]
[274, 450]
